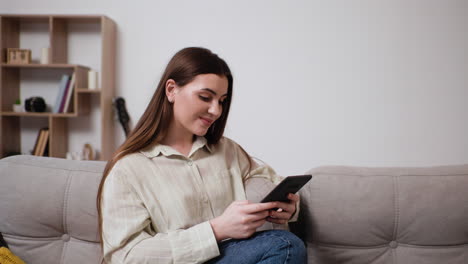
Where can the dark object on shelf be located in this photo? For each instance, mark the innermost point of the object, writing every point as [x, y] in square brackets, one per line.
[35, 104]
[124, 118]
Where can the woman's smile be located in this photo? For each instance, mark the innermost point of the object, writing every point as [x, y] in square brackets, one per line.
[206, 121]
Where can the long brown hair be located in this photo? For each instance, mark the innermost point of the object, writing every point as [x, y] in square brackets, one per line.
[152, 127]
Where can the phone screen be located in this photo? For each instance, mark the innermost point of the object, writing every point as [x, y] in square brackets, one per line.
[291, 184]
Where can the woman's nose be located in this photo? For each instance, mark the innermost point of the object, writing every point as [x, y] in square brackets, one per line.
[215, 109]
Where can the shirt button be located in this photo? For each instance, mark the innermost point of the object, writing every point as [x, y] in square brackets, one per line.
[190, 163]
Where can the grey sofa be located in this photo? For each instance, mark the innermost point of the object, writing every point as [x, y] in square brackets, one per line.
[348, 214]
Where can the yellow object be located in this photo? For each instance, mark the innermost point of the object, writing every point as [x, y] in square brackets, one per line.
[6, 257]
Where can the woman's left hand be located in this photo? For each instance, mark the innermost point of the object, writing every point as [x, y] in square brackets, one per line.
[285, 210]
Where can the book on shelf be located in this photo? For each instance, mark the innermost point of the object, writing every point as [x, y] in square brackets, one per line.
[36, 145]
[62, 87]
[68, 96]
[42, 142]
[45, 145]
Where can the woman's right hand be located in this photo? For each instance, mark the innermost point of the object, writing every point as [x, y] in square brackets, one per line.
[241, 219]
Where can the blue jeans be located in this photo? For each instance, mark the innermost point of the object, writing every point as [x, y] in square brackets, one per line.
[267, 247]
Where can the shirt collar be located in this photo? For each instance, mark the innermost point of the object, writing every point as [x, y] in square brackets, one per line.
[158, 149]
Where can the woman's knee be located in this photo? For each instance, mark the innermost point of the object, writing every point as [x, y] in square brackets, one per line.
[288, 236]
[292, 245]
[296, 243]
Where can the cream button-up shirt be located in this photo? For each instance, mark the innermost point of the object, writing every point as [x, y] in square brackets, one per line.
[156, 204]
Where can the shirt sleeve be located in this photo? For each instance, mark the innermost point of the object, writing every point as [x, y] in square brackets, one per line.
[128, 236]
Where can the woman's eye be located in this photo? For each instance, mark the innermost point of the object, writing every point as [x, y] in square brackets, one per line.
[204, 98]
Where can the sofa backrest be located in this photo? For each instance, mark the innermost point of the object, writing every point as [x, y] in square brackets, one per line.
[48, 209]
[386, 215]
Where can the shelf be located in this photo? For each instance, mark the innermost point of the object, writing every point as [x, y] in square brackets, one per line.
[34, 18]
[32, 114]
[28, 18]
[64, 35]
[36, 65]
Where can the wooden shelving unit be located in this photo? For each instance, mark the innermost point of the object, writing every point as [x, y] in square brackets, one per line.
[10, 80]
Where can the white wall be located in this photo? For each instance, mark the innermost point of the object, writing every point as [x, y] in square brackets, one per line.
[375, 83]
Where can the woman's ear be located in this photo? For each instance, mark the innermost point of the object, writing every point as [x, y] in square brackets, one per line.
[171, 90]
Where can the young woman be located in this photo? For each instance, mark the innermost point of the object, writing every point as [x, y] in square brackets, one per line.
[174, 191]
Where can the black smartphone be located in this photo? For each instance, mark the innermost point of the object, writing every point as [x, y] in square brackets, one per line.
[291, 184]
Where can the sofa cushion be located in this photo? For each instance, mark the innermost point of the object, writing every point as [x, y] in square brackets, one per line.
[386, 215]
[48, 209]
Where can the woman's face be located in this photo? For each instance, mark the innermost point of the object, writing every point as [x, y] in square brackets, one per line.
[198, 104]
